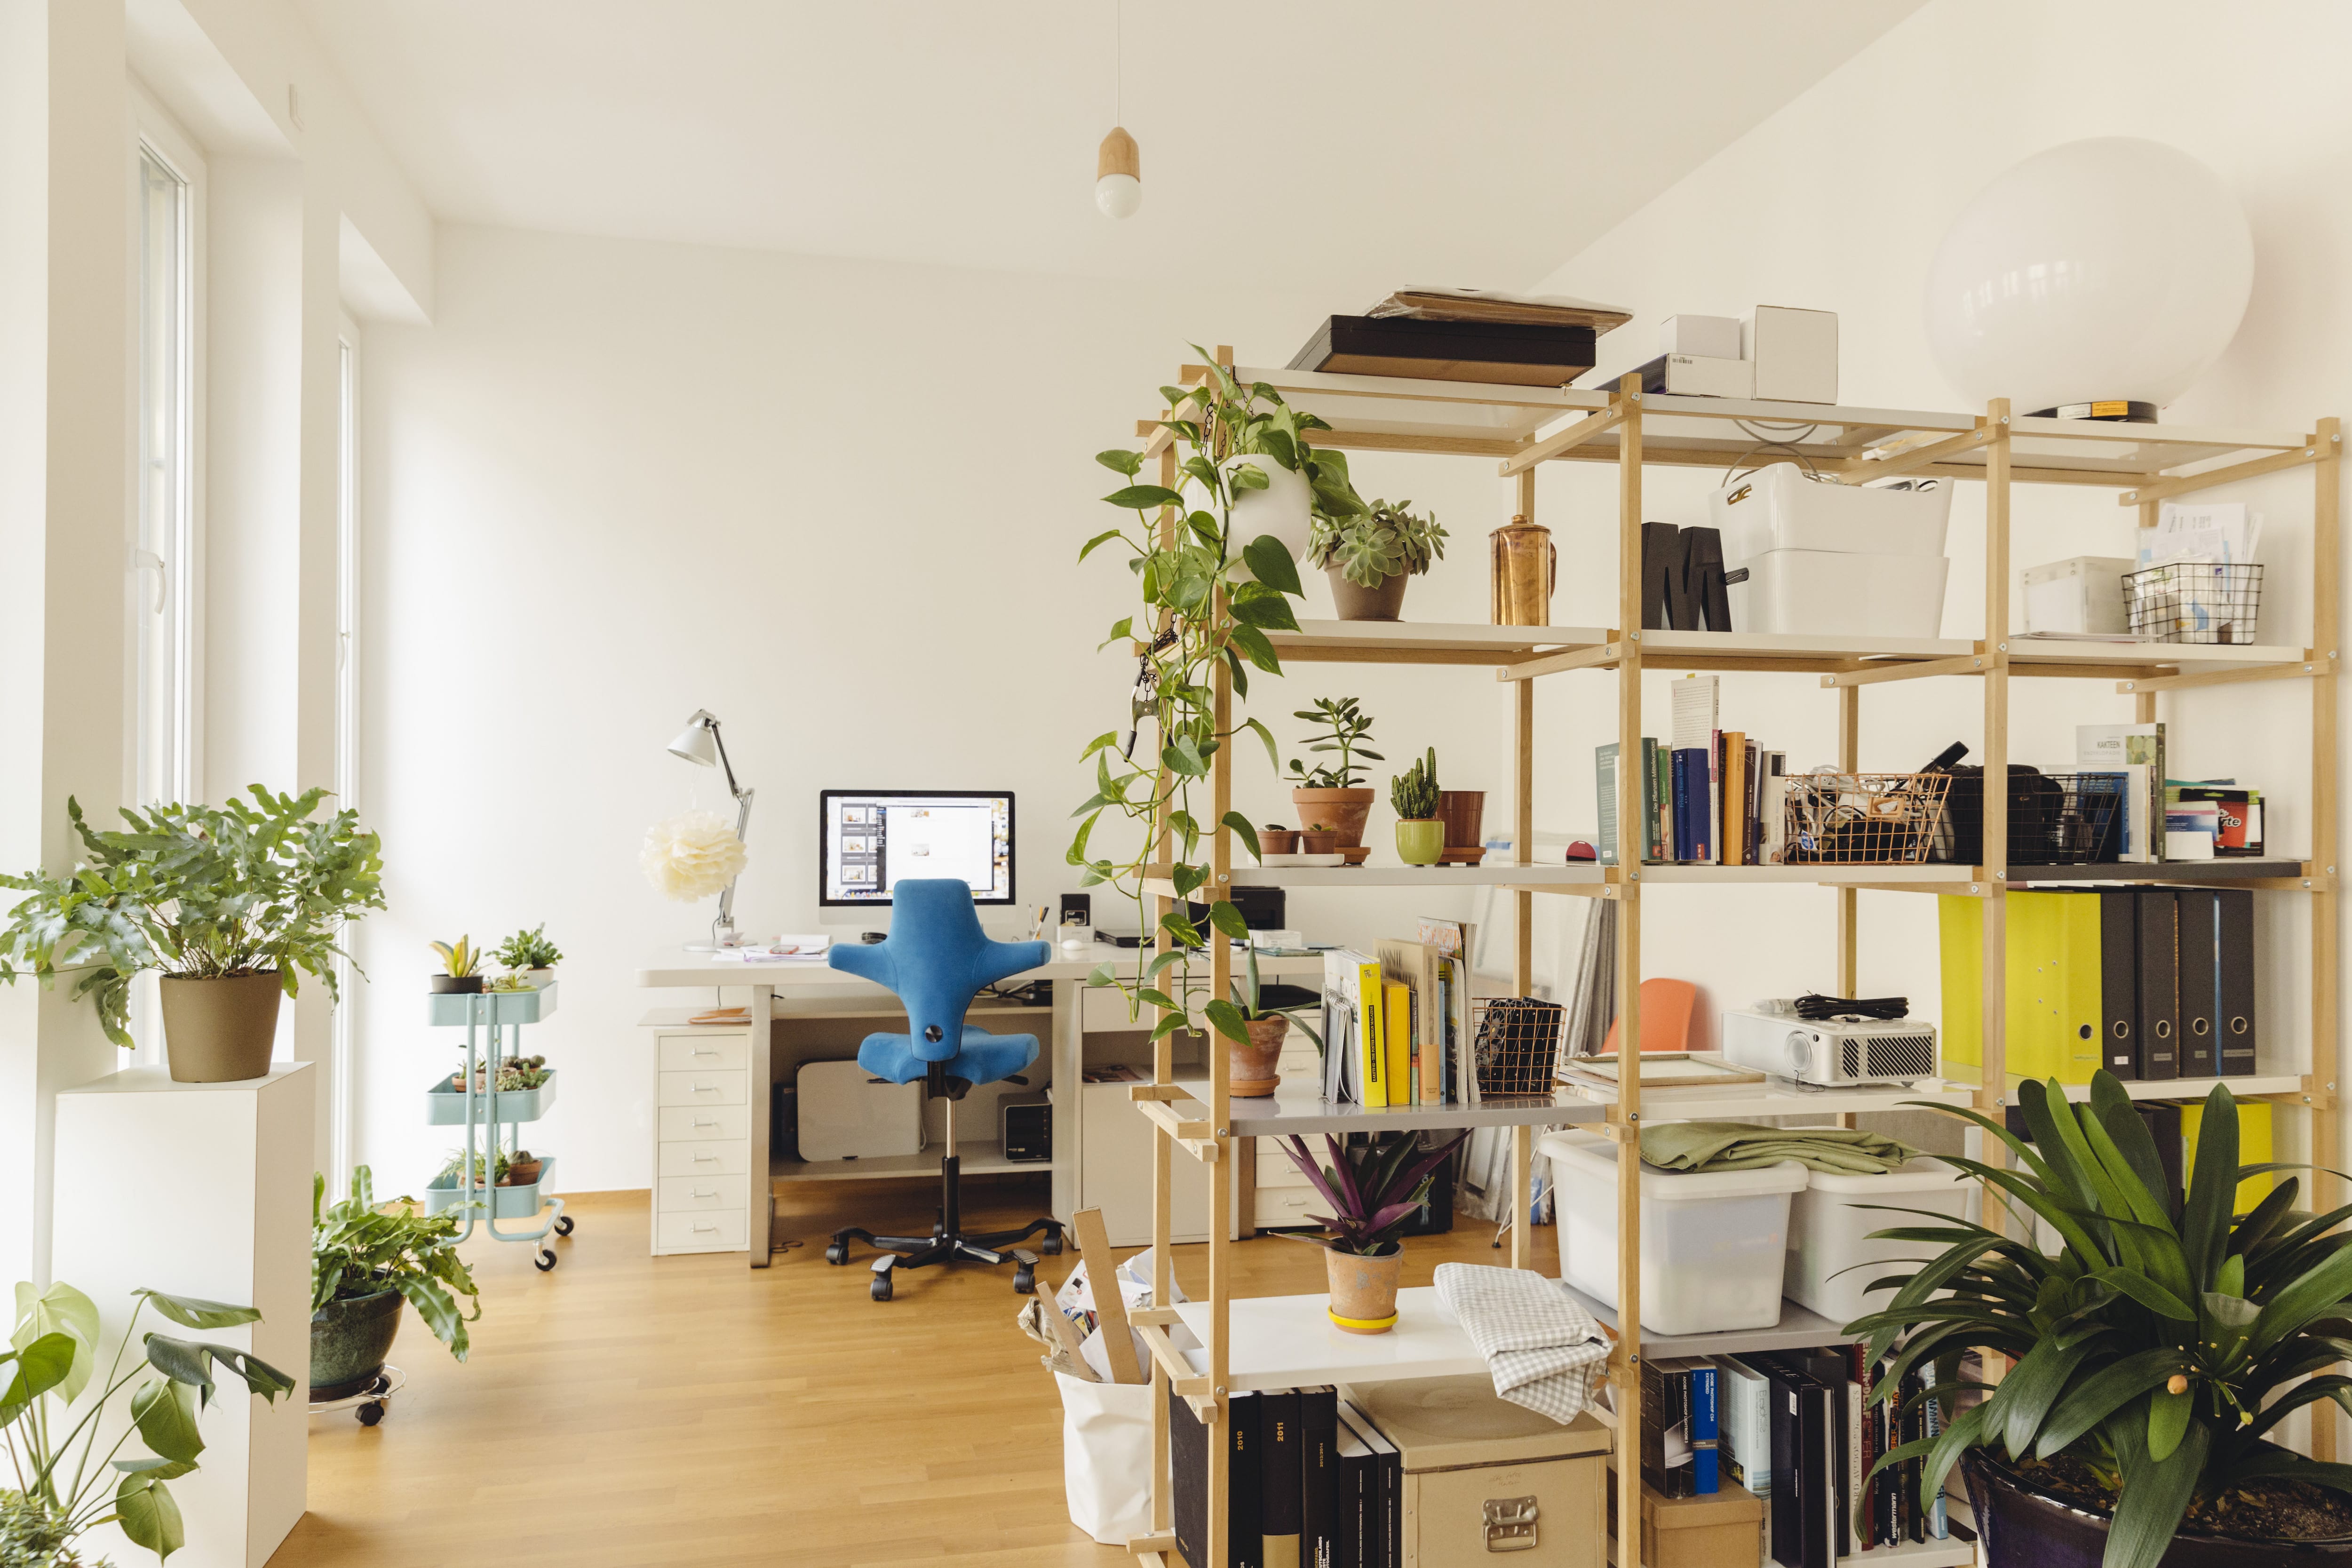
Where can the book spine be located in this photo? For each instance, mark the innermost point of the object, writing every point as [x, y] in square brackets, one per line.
[1662, 801]
[1244, 1526]
[1706, 1431]
[1319, 1476]
[1604, 786]
[1931, 1424]
[1280, 1478]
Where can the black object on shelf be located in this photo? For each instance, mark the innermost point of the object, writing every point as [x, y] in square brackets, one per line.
[1683, 586]
[1509, 353]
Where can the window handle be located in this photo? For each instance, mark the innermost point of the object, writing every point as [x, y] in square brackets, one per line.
[147, 560]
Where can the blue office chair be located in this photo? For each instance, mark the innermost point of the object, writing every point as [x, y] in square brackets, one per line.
[937, 958]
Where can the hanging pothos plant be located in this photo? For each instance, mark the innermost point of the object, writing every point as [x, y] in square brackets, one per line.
[1208, 600]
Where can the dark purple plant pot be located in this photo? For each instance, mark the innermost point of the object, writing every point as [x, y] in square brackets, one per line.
[2022, 1527]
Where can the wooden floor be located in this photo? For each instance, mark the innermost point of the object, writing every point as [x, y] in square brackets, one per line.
[625, 1409]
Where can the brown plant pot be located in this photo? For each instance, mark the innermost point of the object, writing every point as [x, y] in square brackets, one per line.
[220, 1031]
[1341, 809]
[1463, 812]
[1252, 1071]
[1364, 1289]
[1357, 603]
[457, 985]
[1319, 841]
[521, 1173]
[1277, 840]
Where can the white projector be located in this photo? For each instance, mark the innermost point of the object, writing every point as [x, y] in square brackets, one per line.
[1829, 1053]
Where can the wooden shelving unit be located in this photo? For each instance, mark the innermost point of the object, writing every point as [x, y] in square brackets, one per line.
[1284, 1341]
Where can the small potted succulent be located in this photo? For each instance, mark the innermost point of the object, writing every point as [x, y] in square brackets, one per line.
[1420, 835]
[530, 954]
[1266, 1013]
[366, 1258]
[1372, 556]
[461, 968]
[1276, 839]
[1329, 796]
[1372, 1188]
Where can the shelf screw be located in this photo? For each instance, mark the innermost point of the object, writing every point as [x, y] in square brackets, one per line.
[2129, 684]
[2311, 451]
[1632, 876]
[1637, 397]
[2004, 418]
[1977, 663]
[1632, 1115]
[1637, 638]
[2306, 670]
[1221, 1392]
[1222, 878]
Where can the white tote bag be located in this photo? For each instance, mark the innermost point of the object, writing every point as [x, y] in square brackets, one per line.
[1107, 1458]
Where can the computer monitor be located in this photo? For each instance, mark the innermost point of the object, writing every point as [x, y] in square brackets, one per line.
[869, 840]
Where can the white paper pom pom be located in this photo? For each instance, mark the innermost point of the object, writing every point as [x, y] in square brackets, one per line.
[691, 857]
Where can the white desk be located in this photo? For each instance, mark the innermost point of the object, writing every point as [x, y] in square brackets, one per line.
[784, 990]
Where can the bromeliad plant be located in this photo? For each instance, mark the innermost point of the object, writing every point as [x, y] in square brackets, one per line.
[198, 892]
[1380, 543]
[2150, 1345]
[1346, 728]
[1209, 598]
[1372, 1188]
[360, 1247]
[62, 1480]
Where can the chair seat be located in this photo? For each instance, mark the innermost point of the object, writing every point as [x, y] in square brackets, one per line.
[983, 1057]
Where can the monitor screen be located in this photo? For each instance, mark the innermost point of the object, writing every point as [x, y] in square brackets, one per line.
[869, 840]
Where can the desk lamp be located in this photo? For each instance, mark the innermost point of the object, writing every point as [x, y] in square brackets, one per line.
[699, 744]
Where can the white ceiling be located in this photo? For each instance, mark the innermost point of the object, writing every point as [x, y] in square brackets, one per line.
[1347, 144]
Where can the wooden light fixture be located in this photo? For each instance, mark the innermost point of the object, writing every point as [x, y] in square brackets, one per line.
[1119, 175]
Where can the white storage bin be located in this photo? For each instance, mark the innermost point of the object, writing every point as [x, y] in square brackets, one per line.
[1777, 508]
[2081, 593]
[1713, 1244]
[1828, 1232]
[1822, 592]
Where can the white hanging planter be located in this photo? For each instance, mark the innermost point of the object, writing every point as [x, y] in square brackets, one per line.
[1285, 509]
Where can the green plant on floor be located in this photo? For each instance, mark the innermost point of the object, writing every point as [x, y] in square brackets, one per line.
[1380, 543]
[1345, 729]
[459, 959]
[1413, 793]
[360, 1248]
[2158, 1346]
[1372, 1186]
[530, 950]
[64, 1485]
[197, 892]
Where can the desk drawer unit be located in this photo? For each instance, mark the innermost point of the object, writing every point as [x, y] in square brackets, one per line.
[703, 1178]
[1283, 1208]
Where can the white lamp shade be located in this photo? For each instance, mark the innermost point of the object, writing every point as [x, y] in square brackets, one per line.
[697, 742]
[2114, 267]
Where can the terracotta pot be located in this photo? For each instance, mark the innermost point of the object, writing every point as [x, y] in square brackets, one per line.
[1277, 840]
[349, 1340]
[457, 985]
[1357, 603]
[1364, 1289]
[1421, 842]
[521, 1173]
[1253, 1070]
[220, 1031]
[2023, 1527]
[1319, 841]
[1463, 812]
[1344, 809]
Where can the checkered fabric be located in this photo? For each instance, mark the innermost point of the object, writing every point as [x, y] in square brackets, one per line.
[1545, 1351]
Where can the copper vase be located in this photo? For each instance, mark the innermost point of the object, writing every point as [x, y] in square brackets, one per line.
[1526, 570]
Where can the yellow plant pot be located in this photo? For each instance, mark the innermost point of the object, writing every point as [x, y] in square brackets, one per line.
[1420, 843]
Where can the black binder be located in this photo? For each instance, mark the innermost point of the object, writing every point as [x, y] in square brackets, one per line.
[2119, 980]
[2159, 983]
[2200, 982]
[1189, 1447]
[2234, 931]
[1806, 1460]
[1278, 1469]
[1319, 1476]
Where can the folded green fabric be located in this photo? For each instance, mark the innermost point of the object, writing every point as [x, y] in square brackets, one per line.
[1743, 1146]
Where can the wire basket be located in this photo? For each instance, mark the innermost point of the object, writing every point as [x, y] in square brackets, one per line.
[2062, 819]
[2195, 601]
[1862, 819]
[1518, 1044]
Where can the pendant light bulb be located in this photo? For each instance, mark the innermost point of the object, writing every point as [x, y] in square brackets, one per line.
[1119, 175]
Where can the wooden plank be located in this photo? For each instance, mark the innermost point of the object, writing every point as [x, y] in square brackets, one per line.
[1878, 674]
[1067, 1333]
[2326, 626]
[1169, 1362]
[2229, 675]
[1554, 663]
[1157, 1543]
[1221, 1175]
[1527, 456]
[1523, 1164]
[1401, 441]
[2188, 484]
[1110, 1308]
[1919, 457]
[1523, 832]
[1993, 1012]
[1459, 656]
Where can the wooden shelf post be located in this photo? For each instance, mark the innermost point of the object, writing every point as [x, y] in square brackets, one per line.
[1625, 1125]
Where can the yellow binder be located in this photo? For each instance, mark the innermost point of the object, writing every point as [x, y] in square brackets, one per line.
[2052, 1001]
[1371, 1053]
[2254, 1146]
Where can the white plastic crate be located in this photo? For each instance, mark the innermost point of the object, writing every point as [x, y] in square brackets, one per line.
[1830, 593]
[1778, 508]
[1828, 1233]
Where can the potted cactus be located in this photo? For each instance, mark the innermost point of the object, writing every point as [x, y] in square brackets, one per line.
[1370, 555]
[1420, 834]
[1327, 798]
[461, 966]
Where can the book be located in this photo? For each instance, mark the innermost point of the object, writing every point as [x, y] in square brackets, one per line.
[1415, 964]
[1396, 1039]
[1514, 353]
[1446, 303]
[1319, 1476]
[1665, 1427]
[1744, 1430]
[1834, 1368]
[1694, 709]
[1606, 769]
[1665, 804]
[2160, 982]
[2200, 960]
[1189, 1445]
[1931, 1424]
[2234, 965]
[1704, 1427]
[2108, 747]
[1804, 1508]
[1356, 1526]
[1454, 940]
[1384, 1518]
[1734, 836]
[1279, 1479]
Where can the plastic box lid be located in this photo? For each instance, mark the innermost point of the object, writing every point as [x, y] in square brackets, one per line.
[1924, 1174]
[1596, 1157]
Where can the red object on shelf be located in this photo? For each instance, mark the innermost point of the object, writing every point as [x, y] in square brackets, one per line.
[1668, 1009]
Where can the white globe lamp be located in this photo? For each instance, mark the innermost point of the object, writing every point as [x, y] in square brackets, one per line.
[2097, 280]
[1119, 175]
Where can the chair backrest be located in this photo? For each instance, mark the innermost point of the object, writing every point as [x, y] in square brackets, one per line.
[936, 958]
[1668, 1014]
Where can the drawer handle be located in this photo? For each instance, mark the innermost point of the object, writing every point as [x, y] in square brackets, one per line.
[702, 1193]
[704, 1051]
[712, 1228]
[699, 1159]
[1510, 1523]
[706, 1122]
[706, 1089]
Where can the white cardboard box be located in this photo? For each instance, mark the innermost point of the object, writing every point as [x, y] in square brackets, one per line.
[1795, 352]
[2080, 594]
[1705, 337]
[1690, 375]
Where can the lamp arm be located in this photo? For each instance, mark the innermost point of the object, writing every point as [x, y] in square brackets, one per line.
[742, 825]
[738, 791]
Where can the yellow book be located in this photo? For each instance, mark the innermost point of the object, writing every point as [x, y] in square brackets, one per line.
[1371, 1054]
[2255, 1147]
[1396, 1024]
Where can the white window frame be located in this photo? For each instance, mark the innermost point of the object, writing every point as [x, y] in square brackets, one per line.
[343, 1028]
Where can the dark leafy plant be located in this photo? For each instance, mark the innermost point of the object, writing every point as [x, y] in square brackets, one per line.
[197, 892]
[1346, 728]
[1372, 1187]
[360, 1248]
[1413, 793]
[2149, 1346]
[61, 1487]
[1378, 544]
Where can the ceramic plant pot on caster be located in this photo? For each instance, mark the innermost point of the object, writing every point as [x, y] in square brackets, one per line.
[348, 1341]
[220, 1031]
[1420, 843]
[457, 985]
[1253, 1070]
[1364, 1289]
[1343, 810]
[1357, 603]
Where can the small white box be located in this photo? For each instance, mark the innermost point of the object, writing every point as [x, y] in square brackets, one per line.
[1708, 337]
[1777, 508]
[1828, 593]
[1830, 1227]
[1796, 353]
[1714, 1243]
[2081, 593]
[1688, 375]
[847, 1114]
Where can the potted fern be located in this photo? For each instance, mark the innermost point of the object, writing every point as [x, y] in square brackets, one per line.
[366, 1258]
[1370, 556]
[2156, 1350]
[1372, 1188]
[1420, 832]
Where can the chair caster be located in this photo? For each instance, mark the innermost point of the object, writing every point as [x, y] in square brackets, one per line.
[563, 1224]
[370, 1414]
[838, 1253]
[1024, 1280]
[880, 1288]
[1052, 1245]
[545, 1260]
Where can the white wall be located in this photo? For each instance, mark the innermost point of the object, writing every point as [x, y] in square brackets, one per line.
[839, 504]
[1838, 202]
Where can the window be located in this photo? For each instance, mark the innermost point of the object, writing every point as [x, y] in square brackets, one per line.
[162, 753]
[341, 1049]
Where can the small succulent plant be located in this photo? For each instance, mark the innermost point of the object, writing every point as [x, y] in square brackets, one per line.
[461, 959]
[1413, 791]
[1380, 542]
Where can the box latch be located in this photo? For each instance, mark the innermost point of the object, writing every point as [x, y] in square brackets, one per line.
[1510, 1524]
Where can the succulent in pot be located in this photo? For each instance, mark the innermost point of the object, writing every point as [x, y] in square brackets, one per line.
[2156, 1350]
[1372, 556]
[1327, 795]
[1373, 1189]
[1420, 835]
[530, 954]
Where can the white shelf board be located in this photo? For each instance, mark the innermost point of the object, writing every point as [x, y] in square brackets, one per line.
[2181, 1088]
[1662, 645]
[1432, 636]
[1774, 1097]
[2026, 649]
[982, 1157]
[1799, 1328]
[1489, 874]
[1303, 1111]
[1290, 1342]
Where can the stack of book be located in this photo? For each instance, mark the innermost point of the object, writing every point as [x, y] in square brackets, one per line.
[1311, 1482]
[1712, 797]
[1396, 1021]
[1464, 334]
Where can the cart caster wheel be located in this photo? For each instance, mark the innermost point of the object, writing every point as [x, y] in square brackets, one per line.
[838, 1253]
[563, 1224]
[1052, 1245]
[1024, 1280]
[880, 1288]
[545, 1261]
[370, 1414]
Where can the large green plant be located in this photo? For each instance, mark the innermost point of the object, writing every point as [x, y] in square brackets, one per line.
[52, 1433]
[2151, 1344]
[1208, 599]
[197, 892]
[362, 1248]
